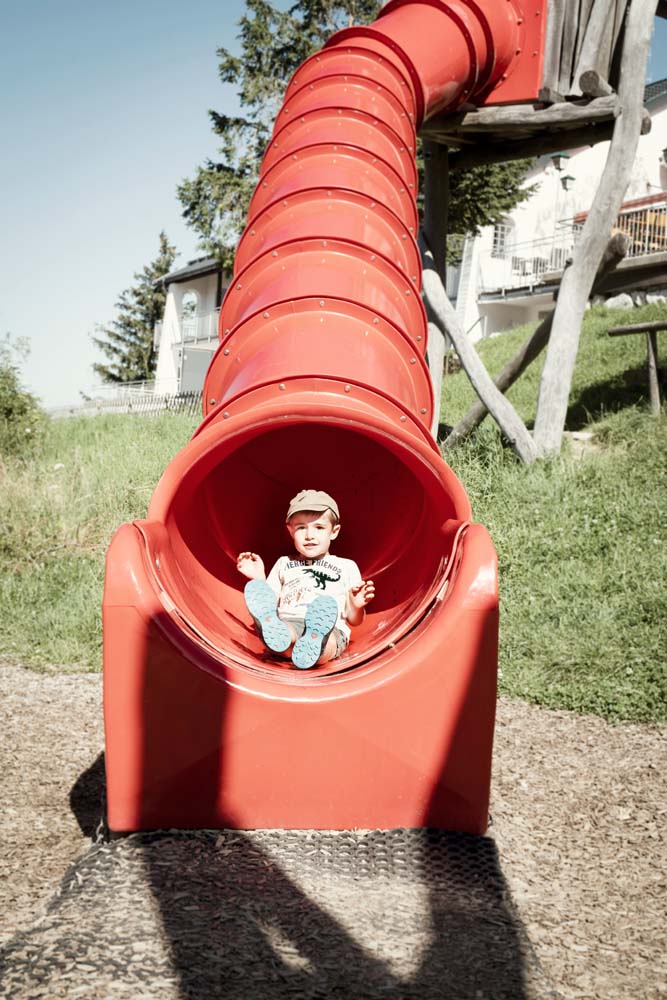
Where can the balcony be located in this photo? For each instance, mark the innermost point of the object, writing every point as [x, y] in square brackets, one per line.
[200, 329]
[525, 265]
[511, 265]
[646, 226]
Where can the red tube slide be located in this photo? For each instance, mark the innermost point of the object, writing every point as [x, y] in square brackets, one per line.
[320, 381]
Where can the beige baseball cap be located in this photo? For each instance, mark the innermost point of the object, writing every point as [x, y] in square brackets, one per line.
[315, 500]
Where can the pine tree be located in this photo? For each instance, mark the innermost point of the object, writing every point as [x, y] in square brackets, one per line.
[273, 45]
[128, 340]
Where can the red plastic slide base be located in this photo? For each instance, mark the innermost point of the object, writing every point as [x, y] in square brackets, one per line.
[198, 741]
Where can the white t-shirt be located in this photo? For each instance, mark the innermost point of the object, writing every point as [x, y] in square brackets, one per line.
[297, 582]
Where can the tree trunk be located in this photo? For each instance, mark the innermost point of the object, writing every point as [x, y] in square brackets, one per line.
[500, 408]
[578, 280]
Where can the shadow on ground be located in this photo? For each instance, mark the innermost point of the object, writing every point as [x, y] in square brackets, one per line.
[626, 390]
[410, 914]
[86, 799]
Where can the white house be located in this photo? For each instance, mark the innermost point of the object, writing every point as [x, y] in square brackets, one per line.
[188, 335]
[509, 272]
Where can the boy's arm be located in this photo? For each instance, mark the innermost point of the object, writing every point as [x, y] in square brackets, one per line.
[358, 597]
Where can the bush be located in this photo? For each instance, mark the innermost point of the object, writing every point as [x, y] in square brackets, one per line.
[21, 418]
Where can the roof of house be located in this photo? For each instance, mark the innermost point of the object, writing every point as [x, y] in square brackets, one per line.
[193, 269]
[654, 90]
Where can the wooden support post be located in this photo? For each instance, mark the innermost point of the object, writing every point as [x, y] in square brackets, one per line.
[578, 279]
[651, 330]
[500, 408]
[436, 204]
[653, 384]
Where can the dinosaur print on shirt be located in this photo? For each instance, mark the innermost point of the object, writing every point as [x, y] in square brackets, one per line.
[297, 582]
[321, 579]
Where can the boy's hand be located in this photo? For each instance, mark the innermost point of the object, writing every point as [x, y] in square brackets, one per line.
[250, 565]
[362, 594]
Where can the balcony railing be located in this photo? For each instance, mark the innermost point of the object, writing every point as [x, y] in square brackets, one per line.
[200, 329]
[521, 265]
[646, 227]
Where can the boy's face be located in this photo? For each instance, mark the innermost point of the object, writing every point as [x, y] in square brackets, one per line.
[312, 533]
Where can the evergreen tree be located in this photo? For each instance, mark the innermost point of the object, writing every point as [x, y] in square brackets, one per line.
[273, 45]
[128, 340]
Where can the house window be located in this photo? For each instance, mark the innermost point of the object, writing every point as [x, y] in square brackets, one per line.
[502, 238]
[189, 305]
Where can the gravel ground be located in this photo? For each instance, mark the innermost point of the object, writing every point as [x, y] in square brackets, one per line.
[565, 897]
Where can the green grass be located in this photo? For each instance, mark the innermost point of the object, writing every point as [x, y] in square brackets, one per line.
[581, 541]
[58, 512]
[610, 373]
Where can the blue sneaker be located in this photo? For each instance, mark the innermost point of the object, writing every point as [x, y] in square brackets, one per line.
[321, 617]
[262, 604]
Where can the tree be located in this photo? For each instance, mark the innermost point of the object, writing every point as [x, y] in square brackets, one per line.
[482, 196]
[128, 340]
[273, 45]
[21, 418]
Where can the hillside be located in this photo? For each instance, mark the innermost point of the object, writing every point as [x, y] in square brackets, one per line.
[580, 539]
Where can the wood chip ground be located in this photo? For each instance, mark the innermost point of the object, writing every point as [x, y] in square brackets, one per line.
[565, 897]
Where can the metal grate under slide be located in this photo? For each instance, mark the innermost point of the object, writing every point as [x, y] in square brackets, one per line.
[410, 914]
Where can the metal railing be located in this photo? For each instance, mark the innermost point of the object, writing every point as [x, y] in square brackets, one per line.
[520, 265]
[120, 390]
[200, 329]
[149, 404]
[646, 227]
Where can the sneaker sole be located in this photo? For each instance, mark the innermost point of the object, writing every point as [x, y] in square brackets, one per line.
[261, 603]
[321, 616]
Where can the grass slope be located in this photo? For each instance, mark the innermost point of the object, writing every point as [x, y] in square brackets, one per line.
[58, 513]
[581, 542]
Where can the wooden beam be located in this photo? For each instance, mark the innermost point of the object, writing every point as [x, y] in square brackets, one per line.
[567, 47]
[652, 365]
[504, 152]
[598, 42]
[620, 331]
[552, 44]
[500, 408]
[547, 95]
[592, 84]
[585, 8]
[436, 202]
[525, 117]
[550, 142]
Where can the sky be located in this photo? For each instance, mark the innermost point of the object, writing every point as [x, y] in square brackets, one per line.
[104, 110]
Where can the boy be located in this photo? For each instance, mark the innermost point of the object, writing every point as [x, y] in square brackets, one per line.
[309, 601]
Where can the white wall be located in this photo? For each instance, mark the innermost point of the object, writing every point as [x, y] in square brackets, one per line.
[537, 218]
[168, 364]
